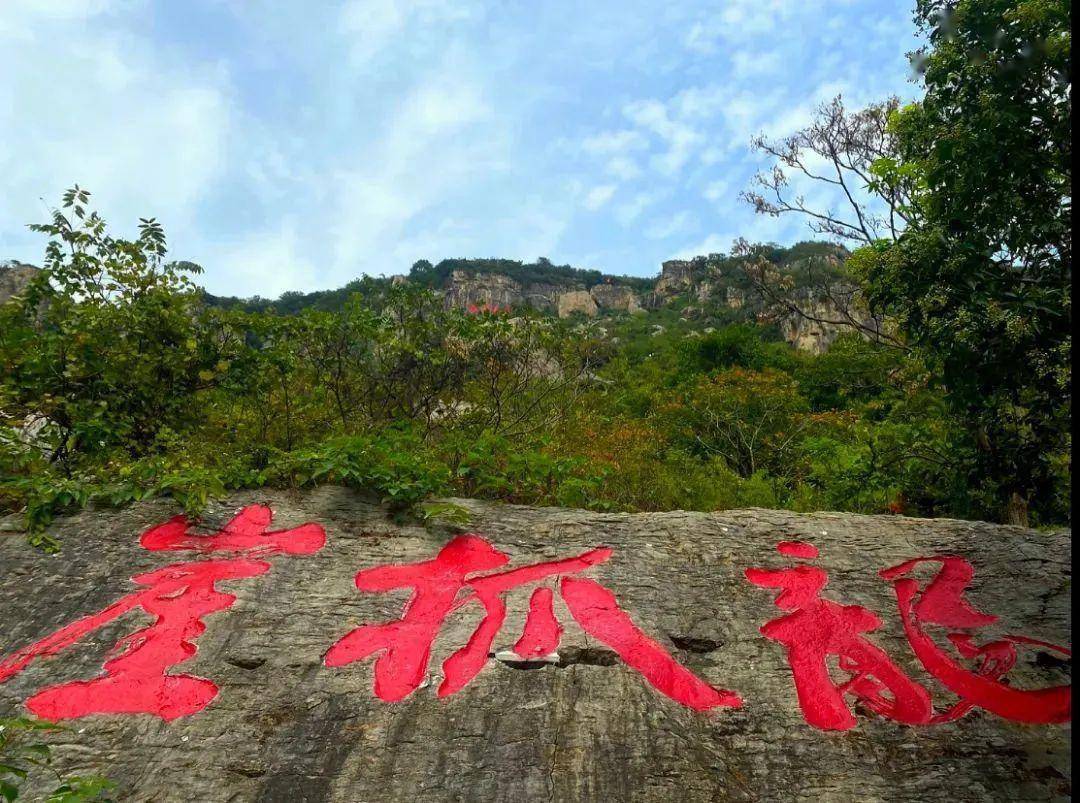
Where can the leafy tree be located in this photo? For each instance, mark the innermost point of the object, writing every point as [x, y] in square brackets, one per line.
[961, 203]
[981, 281]
[738, 345]
[102, 352]
[752, 419]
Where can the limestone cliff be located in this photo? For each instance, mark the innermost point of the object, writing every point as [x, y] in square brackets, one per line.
[465, 290]
[615, 297]
[576, 301]
[680, 275]
[714, 290]
[650, 679]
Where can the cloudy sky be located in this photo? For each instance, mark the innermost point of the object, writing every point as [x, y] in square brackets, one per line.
[299, 145]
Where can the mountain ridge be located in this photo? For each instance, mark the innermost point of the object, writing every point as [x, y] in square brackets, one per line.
[711, 290]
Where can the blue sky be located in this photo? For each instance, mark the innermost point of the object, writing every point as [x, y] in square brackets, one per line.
[297, 146]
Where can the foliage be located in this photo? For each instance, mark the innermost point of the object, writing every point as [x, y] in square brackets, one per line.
[751, 419]
[102, 350]
[961, 204]
[22, 753]
[981, 282]
[393, 393]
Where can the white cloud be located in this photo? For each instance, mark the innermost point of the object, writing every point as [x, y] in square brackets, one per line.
[702, 101]
[608, 143]
[680, 223]
[272, 260]
[756, 63]
[719, 190]
[21, 15]
[622, 168]
[443, 134]
[741, 21]
[376, 26]
[599, 196]
[680, 138]
[713, 244]
[147, 136]
[626, 213]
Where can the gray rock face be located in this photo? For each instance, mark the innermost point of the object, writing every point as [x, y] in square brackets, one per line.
[822, 322]
[615, 297]
[584, 726]
[465, 290]
[14, 276]
[576, 301]
[678, 275]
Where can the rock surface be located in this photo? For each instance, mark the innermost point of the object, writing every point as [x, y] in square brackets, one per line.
[576, 301]
[823, 321]
[615, 297]
[588, 728]
[14, 276]
[465, 289]
[493, 289]
[679, 275]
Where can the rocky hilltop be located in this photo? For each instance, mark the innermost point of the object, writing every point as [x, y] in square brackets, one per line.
[466, 290]
[695, 287]
[699, 288]
[635, 669]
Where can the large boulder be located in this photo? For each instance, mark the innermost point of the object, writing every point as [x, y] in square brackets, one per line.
[625, 707]
[577, 301]
[615, 297]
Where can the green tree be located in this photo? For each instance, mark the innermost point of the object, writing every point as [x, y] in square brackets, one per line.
[980, 282]
[102, 351]
[754, 420]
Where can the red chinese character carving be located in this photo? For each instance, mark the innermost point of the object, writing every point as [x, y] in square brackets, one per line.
[178, 596]
[818, 628]
[942, 603]
[449, 581]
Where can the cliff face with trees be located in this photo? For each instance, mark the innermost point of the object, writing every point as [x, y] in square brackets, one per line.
[806, 314]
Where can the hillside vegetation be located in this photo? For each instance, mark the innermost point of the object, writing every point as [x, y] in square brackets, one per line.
[946, 389]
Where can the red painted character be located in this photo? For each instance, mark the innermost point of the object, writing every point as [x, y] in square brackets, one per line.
[178, 597]
[451, 580]
[818, 628]
[942, 603]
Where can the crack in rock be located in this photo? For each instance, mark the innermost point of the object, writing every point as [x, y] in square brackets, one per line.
[570, 656]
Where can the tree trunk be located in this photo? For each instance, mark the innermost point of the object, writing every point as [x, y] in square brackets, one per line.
[1016, 510]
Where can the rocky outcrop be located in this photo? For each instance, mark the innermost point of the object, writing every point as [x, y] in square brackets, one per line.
[576, 301]
[587, 721]
[615, 297]
[806, 333]
[465, 290]
[14, 277]
[820, 321]
[678, 275]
